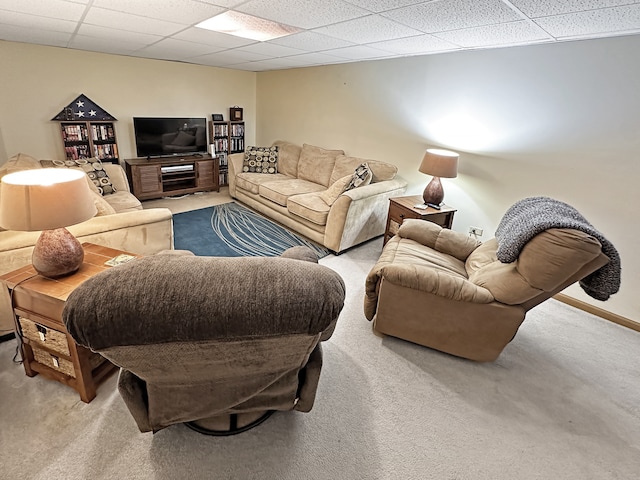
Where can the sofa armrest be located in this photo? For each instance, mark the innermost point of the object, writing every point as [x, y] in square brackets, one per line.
[235, 167]
[441, 239]
[424, 279]
[117, 176]
[360, 214]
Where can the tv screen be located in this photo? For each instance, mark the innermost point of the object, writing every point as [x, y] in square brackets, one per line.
[157, 137]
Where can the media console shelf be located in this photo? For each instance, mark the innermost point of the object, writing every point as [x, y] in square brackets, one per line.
[157, 177]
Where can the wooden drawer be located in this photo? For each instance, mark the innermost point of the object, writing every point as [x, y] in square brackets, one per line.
[62, 364]
[44, 336]
[398, 214]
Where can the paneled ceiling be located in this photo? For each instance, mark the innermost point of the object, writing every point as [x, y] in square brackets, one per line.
[332, 31]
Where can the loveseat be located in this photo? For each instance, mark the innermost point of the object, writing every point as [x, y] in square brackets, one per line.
[306, 193]
[120, 223]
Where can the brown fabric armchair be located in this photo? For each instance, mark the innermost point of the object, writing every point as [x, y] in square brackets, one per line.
[217, 343]
[444, 290]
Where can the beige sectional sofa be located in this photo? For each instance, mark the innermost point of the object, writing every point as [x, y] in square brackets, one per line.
[296, 195]
[120, 223]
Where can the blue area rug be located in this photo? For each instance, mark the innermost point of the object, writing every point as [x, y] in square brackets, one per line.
[231, 230]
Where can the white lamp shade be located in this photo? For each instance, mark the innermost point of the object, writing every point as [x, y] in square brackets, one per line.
[45, 199]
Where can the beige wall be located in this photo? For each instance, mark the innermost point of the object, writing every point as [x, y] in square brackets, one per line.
[560, 120]
[38, 82]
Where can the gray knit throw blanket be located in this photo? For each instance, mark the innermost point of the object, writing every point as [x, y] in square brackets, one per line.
[530, 216]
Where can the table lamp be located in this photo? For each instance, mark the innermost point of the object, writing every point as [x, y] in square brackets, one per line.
[439, 163]
[48, 199]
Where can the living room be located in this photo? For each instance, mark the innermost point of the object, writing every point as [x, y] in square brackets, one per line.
[556, 119]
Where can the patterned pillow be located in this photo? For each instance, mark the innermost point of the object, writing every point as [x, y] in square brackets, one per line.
[361, 177]
[92, 167]
[261, 160]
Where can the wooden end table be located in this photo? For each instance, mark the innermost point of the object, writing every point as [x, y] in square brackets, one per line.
[47, 347]
[401, 208]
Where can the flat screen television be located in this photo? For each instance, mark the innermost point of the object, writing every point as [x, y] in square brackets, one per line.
[159, 137]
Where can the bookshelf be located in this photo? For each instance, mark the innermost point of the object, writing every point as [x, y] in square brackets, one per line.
[227, 138]
[87, 131]
[90, 139]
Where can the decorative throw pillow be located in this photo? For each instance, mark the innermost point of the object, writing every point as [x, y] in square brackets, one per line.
[361, 177]
[330, 195]
[92, 167]
[261, 160]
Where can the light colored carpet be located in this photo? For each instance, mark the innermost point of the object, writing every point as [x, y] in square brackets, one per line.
[561, 402]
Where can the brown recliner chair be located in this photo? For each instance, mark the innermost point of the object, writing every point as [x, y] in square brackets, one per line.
[216, 343]
[441, 289]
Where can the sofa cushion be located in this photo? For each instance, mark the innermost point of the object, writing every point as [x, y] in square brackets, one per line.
[102, 206]
[123, 202]
[310, 207]
[279, 191]
[316, 164]
[261, 160]
[251, 181]
[288, 156]
[565, 251]
[482, 256]
[345, 165]
[331, 194]
[17, 163]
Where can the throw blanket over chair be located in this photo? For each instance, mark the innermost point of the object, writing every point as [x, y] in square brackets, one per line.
[217, 343]
[444, 290]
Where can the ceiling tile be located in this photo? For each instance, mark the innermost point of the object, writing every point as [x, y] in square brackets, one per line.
[441, 16]
[316, 58]
[358, 52]
[36, 22]
[367, 29]
[137, 39]
[607, 20]
[133, 23]
[378, 6]
[34, 35]
[177, 49]
[96, 44]
[545, 8]
[271, 50]
[231, 57]
[512, 33]
[45, 8]
[302, 13]
[187, 12]
[415, 45]
[311, 41]
[210, 37]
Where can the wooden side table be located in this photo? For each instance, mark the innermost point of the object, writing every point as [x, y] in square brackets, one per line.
[401, 208]
[47, 347]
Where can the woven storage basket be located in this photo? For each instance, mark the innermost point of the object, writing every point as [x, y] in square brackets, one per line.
[41, 335]
[62, 364]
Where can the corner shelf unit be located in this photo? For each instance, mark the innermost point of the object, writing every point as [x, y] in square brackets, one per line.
[227, 138]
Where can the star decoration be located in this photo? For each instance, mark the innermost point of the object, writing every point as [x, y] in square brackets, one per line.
[80, 103]
[92, 113]
[80, 113]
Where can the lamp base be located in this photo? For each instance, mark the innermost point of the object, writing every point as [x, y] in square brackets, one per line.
[57, 253]
[433, 192]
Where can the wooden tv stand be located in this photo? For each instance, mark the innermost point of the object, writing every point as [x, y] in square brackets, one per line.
[156, 177]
